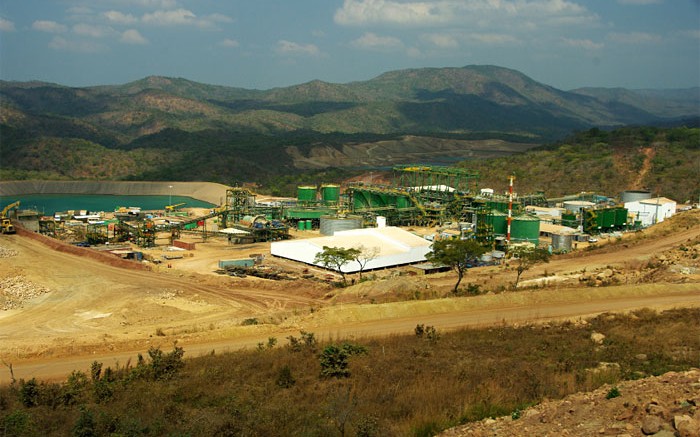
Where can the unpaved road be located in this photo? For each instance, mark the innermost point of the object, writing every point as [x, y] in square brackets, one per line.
[99, 312]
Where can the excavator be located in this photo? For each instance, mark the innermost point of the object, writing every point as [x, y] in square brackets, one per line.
[171, 208]
[7, 227]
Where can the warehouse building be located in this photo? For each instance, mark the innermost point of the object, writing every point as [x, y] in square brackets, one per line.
[651, 211]
[393, 247]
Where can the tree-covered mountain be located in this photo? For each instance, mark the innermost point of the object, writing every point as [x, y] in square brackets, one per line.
[173, 128]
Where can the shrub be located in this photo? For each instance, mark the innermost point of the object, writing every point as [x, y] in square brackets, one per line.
[85, 426]
[334, 362]
[614, 392]
[18, 423]
[334, 359]
[285, 378]
[29, 392]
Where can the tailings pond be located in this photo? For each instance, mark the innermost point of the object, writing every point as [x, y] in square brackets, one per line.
[47, 204]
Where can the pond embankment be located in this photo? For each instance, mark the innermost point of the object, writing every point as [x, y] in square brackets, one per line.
[206, 191]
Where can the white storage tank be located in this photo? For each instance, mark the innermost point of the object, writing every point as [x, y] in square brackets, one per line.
[577, 205]
[381, 221]
[331, 224]
[634, 195]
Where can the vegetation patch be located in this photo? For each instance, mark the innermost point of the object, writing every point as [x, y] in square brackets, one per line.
[404, 385]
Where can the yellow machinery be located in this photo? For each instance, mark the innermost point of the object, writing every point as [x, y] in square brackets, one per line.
[7, 227]
[171, 208]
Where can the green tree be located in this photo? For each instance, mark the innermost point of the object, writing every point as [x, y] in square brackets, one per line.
[336, 257]
[457, 254]
[525, 258]
[365, 255]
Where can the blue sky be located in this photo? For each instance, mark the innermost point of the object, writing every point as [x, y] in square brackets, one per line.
[272, 43]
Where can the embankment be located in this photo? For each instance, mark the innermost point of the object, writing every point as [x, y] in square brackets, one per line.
[206, 191]
[102, 257]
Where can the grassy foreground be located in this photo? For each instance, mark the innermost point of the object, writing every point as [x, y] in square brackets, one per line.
[417, 384]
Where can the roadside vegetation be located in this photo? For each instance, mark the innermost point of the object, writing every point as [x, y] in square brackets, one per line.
[415, 384]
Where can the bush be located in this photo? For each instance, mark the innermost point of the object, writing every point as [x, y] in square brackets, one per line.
[29, 392]
[614, 392]
[285, 378]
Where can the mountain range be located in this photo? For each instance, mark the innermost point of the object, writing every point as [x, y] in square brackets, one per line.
[173, 128]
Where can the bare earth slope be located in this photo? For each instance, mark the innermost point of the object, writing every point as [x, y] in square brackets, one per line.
[87, 310]
[665, 404]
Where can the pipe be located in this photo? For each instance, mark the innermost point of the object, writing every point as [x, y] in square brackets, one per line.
[510, 207]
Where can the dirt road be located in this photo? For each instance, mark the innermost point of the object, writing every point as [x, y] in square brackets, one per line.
[93, 311]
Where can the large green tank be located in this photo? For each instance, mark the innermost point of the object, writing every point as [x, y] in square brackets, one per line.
[570, 220]
[330, 194]
[499, 221]
[525, 228]
[306, 194]
[498, 205]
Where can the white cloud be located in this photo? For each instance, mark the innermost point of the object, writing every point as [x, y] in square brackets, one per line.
[638, 2]
[634, 38]
[218, 18]
[170, 18]
[178, 17]
[6, 25]
[441, 40]
[60, 43]
[437, 13]
[585, 44]
[92, 30]
[231, 43]
[692, 34]
[148, 4]
[120, 18]
[48, 26]
[292, 48]
[132, 36]
[493, 38]
[376, 42]
[366, 12]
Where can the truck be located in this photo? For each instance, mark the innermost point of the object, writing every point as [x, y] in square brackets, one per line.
[6, 226]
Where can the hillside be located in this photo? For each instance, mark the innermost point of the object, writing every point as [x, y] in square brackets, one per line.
[665, 161]
[158, 127]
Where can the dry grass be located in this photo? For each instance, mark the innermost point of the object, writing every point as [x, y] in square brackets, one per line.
[404, 385]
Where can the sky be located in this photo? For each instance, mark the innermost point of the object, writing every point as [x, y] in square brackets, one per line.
[263, 44]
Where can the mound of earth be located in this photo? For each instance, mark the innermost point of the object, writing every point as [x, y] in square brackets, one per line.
[665, 405]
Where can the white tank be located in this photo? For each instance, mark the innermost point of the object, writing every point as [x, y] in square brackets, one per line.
[330, 225]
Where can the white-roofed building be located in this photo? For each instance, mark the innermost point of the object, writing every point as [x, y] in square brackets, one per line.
[393, 246]
[650, 211]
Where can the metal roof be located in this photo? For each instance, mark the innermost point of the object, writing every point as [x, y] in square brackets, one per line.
[394, 247]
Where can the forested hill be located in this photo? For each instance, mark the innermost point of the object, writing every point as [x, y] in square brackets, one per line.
[176, 129]
[664, 161]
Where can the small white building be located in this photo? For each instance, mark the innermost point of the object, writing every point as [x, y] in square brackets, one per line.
[650, 211]
[393, 246]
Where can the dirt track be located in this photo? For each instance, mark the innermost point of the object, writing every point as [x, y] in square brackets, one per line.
[98, 312]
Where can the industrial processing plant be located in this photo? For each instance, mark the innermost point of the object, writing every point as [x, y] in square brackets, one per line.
[443, 202]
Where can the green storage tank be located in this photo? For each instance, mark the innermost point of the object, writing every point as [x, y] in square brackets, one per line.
[525, 228]
[499, 221]
[570, 220]
[308, 225]
[330, 194]
[497, 205]
[300, 225]
[306, 194]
